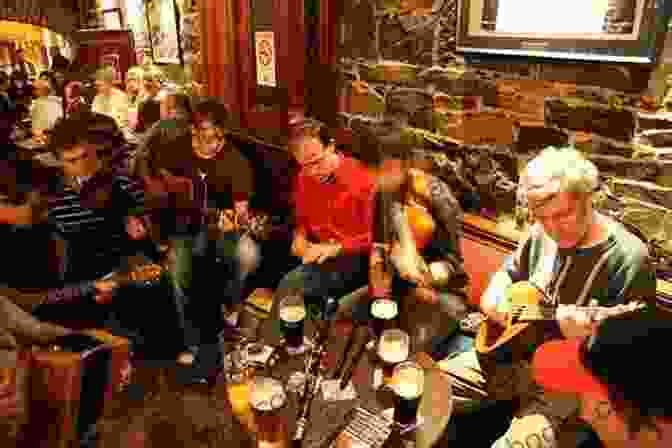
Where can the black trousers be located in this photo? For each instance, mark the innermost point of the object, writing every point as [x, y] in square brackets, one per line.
[151, 316]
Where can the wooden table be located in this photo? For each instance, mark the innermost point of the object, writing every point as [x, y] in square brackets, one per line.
[325, 417]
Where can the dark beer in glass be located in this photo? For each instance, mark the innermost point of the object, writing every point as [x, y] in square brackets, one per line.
[407, 382]
[384, 313]
[292, 312]
[267, 400]
[393, 348]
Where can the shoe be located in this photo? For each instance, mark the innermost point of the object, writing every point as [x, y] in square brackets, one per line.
[230, 332]
[207, 365]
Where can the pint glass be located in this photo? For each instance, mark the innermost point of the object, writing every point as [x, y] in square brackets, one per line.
[384, 313]
[267, 400]
[292, 310]
[393, 348]
[407, 382]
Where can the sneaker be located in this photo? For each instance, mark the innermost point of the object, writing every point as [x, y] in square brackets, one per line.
[208, 363]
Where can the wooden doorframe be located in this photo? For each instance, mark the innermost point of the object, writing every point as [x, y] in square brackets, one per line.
[239, 72]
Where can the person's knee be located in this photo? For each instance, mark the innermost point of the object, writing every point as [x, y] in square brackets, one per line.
[296, 278]
[249, 256]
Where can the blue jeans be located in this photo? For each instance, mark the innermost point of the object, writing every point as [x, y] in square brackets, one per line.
[209, 273]
[332, 279]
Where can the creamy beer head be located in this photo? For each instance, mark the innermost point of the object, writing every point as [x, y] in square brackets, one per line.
[293, 313]
[384, 309]
[393, 346]
[267, 394]
[408, 380]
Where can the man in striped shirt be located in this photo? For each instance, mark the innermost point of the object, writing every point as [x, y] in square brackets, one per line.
[99, 214]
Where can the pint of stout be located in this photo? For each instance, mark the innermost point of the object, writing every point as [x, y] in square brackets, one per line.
[267, 400]
[384, 313]
[407, 382]
[292, 312]
[393, 348]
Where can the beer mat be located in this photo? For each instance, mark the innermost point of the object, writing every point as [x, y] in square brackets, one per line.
[296, 382]
[403, 429]
[261, 299]
[331, 391]
[259, 353]
[300, 350]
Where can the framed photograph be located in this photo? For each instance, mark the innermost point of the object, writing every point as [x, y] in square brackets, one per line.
[162, 20]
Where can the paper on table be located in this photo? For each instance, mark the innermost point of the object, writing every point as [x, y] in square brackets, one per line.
[331, 391]
[403, 429]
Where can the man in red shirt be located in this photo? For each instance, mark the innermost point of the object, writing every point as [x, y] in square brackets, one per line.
[333, 205]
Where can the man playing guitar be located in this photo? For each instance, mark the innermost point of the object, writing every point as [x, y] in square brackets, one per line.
[574, 256]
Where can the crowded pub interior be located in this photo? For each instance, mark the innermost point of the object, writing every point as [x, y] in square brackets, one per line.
[335, 223]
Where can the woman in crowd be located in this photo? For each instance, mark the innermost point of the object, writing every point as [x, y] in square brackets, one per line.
[47, 108]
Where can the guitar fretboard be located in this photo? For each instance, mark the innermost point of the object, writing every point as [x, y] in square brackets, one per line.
[541, 312]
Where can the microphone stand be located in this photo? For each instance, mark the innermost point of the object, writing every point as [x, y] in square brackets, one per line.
[314, 377]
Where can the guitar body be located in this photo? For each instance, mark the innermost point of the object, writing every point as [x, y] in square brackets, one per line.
[493, 338]
[524, 330]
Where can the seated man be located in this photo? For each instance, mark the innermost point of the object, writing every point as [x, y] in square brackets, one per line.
[333, 209]
[618, 399]
[575, 255]
[190, 188]
[149, 109]
[98, 215]
[416, 232]
[109, 100]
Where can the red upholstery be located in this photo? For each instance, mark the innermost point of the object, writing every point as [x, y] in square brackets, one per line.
[481, 261]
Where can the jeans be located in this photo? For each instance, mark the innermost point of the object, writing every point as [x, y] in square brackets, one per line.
[334, 278]
[211, 273]
[540, 414]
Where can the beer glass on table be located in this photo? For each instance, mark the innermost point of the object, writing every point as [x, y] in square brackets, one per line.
[267, 400]
[292, 311]
[239, 376]
[384, 313]
[407, 383]
[393, 348]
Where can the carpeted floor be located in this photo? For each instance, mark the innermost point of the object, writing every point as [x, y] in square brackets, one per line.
[158, 412]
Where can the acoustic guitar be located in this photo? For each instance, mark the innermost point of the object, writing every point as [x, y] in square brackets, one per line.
[529, 306]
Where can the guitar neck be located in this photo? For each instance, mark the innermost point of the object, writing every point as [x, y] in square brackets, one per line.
[603, 311]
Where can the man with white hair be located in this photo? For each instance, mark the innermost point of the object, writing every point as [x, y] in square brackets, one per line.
[576, 256]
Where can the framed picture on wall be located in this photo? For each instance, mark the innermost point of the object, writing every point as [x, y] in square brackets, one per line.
[162, 19]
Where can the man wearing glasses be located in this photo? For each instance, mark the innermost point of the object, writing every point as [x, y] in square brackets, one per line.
[334, 207]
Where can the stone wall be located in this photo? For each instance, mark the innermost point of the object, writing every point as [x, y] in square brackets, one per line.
[400, 70]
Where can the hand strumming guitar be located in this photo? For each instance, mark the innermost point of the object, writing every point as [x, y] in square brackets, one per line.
[319, 253]
[575, 322]
[136, 228]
